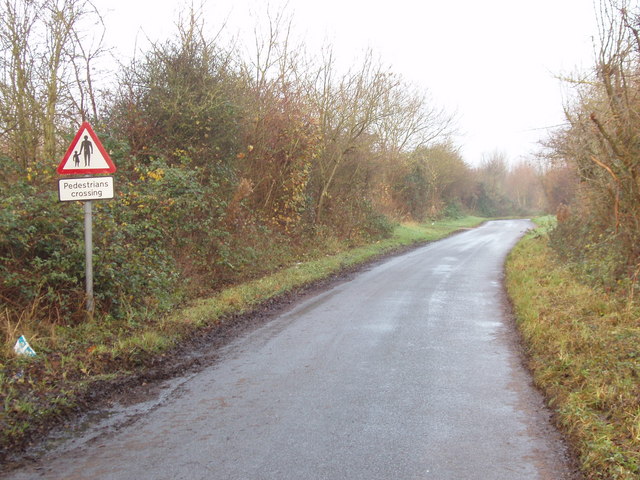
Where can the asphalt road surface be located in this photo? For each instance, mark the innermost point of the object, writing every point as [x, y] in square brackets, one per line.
[408, 370]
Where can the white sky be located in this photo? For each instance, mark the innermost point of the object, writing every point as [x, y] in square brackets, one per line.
[493, 62]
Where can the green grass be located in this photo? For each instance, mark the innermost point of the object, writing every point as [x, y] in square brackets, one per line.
[583, 346]
[73, 359]
[243, 298]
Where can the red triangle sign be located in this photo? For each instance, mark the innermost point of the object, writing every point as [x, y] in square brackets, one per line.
[86, 155]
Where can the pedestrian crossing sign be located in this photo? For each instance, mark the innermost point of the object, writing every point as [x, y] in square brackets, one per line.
[86, 155]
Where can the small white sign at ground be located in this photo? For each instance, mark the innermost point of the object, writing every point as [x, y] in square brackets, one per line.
[84, 189]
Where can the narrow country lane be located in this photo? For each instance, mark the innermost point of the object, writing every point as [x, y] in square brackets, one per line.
[409, 370]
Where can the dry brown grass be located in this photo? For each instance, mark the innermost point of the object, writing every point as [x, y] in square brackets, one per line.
[584, 350]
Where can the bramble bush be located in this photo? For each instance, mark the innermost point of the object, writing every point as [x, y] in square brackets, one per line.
[163, 238]
[42, 249]
[41, 252]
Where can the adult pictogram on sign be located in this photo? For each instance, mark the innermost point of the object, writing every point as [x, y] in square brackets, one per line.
[86, 146]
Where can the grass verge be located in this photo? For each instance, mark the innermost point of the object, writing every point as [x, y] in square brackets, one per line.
[583, 346]
[75, 362]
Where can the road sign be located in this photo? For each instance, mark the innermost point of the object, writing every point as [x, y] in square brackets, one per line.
[85, 188]
[86, 155]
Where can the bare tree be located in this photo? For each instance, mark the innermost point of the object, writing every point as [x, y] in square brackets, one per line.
[280, 133]
[601, 145]
[19, 104]
[40, 42]
[88, 50]
[409, 119]
[368, 107]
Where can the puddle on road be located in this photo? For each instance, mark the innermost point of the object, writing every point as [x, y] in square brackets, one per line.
[488, 325]
[379, 327]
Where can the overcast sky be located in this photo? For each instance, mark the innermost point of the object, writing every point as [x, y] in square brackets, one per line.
[493, 62]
